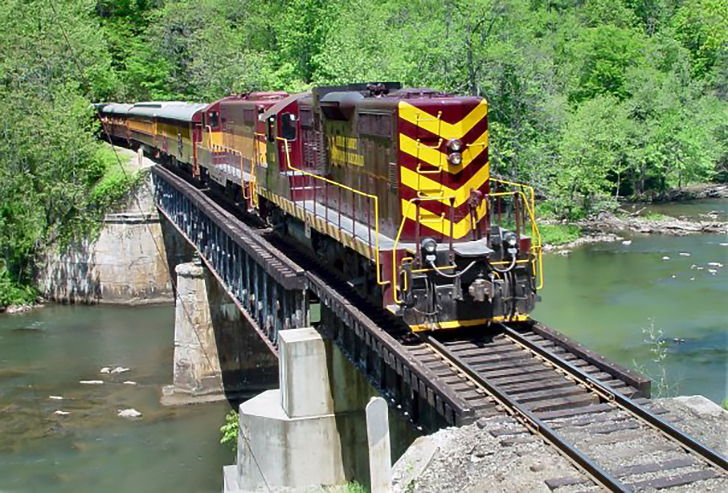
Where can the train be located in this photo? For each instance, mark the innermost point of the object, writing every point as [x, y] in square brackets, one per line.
[388, 186]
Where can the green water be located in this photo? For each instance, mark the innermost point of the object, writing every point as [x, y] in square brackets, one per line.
[46, 352]
[609, 295]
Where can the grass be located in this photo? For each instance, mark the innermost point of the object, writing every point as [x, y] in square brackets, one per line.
[558, 234]
[116, 181]
[658, 346]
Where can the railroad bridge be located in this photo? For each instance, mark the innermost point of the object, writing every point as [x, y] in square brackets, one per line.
[530, 372]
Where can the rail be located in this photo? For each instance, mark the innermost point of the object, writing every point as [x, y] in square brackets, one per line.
[519, 410]
[529, 419]
[627, 404]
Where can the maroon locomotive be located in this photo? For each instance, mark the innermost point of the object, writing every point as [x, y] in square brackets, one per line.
[390, 186]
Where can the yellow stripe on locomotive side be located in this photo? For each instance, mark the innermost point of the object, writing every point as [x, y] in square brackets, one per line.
[438, 159]
[469, 323]
[419, 182]
[319, 224]
[442, 224]
[441, 128]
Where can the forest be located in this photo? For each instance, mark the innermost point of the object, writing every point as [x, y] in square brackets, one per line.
[589, 100]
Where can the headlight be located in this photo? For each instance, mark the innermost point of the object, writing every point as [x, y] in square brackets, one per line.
[429, 246]
[455, 145]
[455, 158]
[511, 239]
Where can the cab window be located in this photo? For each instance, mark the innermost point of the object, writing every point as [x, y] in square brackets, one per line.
[213, 119]
[288, 126]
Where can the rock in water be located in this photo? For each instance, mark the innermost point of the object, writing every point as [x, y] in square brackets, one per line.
[129, 382]
[120, 369]
[684, 254]
[55, 397]
[105, 369]
[715, 264]
[91, 382]
[129, 413]
[666, 258]
[62, 413]
[627, 242]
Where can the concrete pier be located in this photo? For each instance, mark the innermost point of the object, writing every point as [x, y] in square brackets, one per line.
[216, 355]
[197, 370]
[128, 263]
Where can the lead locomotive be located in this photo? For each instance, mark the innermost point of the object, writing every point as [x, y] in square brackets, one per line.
[389, 186]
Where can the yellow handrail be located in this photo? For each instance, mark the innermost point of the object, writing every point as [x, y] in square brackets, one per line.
[221, 148]
[380, 282]
[536, 241]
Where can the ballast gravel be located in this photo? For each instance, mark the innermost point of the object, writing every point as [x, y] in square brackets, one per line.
[497, 454]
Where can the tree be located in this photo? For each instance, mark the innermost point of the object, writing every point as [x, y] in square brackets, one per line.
[593, 148]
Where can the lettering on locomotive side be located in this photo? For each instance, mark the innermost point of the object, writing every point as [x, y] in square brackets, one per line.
[344, 151]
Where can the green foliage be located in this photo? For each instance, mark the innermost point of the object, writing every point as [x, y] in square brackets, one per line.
[11, 293]
[230, 430]
[602, 56]
[725, 404]
[702, 26]
[355, 487]
[589, 100]
[56, 61]
[558, 234]
[593, 148]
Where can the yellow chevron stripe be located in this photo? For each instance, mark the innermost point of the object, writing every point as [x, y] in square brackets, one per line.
[421, 182]
[434, 157]
[441, 128]
[442, 226]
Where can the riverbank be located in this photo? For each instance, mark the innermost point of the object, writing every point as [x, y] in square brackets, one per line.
[499, 454]
[606, 227]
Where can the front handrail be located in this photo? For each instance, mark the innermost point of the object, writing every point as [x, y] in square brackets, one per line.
[536, 240]
[380, 281]
[536, 249]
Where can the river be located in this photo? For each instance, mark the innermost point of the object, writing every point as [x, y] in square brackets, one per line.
[46, 353]
[607, 296]
[666, 317]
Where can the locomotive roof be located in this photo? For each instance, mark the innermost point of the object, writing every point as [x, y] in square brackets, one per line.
[170, 110]
[281, 104]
